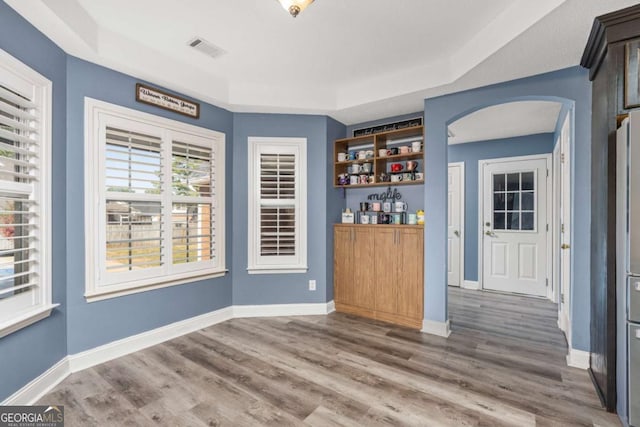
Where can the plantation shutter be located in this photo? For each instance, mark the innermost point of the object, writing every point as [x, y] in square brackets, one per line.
[20, 137]
[133, 184]
[193, 210]
[277, 204]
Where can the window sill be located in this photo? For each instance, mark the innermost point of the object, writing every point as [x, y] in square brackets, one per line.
[276, 270]
[106, 293]
[26, 319]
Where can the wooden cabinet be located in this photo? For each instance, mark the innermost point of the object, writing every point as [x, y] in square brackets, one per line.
[378, 272]
[379, 163]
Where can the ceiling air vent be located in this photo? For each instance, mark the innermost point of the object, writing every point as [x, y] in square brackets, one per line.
[206, 47]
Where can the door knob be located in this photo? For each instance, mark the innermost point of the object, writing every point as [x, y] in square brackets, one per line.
[564, 246]
[457, 233]
[489, 233]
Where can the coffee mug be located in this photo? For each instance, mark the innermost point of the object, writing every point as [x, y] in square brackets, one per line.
[354, 179]
[369, 154]
[406, 176]
[404, 149]
[342, 157]
[343, 179]
[396, 167]
[393, 151]
[397, 218]
[374, 219]
[364, 179]
[364, 219]
[352, 155]
[364, 206]
[366, 167]
[419, 175]
[412, 219]
[362, 155]
[415, 146]
[356, 168]
[376, 206]
[382, 152]
[396, 178]
[401, 206]
[372, 179]
[386, 206]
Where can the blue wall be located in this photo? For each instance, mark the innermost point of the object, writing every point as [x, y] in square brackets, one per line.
[96, 323]
[470, 153]
[568, 85]
[335, 199]
[283, 288]
[27, 353]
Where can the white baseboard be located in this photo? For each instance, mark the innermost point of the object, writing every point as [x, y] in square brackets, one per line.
[273, 310]
[473, 285]
[578, 359]
[32, 392]
[119, 348]
[440, 329]
[331, 306]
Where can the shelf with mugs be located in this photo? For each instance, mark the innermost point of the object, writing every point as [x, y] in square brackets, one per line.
[381, 150]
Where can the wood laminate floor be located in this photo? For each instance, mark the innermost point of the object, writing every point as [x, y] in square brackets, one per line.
[503, 365]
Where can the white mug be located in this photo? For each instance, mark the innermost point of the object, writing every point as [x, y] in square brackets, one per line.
[386, 206]
[362, 155]
[396, 177]
[342, 157]
[364, 219]
[354, 179]
[401, 206]
[415, 146]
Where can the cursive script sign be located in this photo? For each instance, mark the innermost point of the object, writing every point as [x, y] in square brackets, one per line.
[158, 98]
[386, 195]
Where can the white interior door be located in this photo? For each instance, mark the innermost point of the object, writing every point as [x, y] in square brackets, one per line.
[454, 229]
[514, 225]
[565, 227]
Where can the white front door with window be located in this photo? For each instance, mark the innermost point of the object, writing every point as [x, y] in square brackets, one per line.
[514, 225]
[454, 224]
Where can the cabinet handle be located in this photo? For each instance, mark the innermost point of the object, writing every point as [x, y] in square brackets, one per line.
[398, 231]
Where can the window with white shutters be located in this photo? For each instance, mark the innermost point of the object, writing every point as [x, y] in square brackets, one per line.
[277, 205]
[25, 138]
[156, 188]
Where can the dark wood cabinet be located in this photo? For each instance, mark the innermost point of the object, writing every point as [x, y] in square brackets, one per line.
[614, 91]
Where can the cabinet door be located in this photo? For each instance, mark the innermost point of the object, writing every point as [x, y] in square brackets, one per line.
[342, 265]
[410, 273]
[362, 266]
[386, 270]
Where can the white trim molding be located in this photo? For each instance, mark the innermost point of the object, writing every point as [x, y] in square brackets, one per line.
[38, 387]
[119, 348]
[34, 390]
[441, 329]
[578, 359]
[473, 285]
[274, 310]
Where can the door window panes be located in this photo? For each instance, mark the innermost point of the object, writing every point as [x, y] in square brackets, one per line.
[514, 196]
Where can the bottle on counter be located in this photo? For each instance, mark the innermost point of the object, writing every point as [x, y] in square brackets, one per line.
[420, 215]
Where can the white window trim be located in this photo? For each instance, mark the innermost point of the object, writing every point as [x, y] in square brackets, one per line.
[43, 294]
[255, 146]
[93, 152]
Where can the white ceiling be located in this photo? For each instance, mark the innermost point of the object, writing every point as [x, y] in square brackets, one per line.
[505, 121]
[355, 60]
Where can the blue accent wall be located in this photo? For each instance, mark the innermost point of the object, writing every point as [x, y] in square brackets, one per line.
[470, 154]
[97, 323]
[29, 352]
[335, 199]
[250, 289]
[569, 85]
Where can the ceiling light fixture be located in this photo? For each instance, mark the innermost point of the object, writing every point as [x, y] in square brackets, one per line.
[294, 7]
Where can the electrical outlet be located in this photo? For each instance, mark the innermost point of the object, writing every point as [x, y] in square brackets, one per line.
[312, 285]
